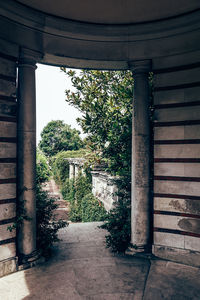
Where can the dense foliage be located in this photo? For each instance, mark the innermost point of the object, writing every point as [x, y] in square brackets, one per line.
[84, 207]
[57, 136]
[105, 101]
[119, 220]
[60, 165]
[47, 226]
[92, 209]
[43, 171]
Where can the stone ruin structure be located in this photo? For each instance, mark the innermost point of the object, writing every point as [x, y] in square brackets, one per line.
[104, 188]
[75, 166]
[142, 36]
[103, 185]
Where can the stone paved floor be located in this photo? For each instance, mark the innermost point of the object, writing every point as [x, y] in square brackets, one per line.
[82, 268]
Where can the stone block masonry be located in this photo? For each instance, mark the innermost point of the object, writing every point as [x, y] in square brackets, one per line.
[8, 142]
[177, 158]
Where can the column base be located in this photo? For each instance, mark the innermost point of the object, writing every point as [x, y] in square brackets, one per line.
[139, 251]
[29, 261]
[29, 258]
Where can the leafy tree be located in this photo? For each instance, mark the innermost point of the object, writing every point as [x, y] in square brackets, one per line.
[105, 100]
[58, 136]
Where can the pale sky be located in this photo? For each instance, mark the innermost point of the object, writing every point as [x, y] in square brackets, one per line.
[51, 84]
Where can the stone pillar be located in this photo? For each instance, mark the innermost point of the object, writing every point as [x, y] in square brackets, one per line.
[83, 172]
[76, 171]
[26, 155]
[71, 171]
[140, 202]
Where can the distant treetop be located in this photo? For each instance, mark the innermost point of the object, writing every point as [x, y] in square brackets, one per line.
[57, 136]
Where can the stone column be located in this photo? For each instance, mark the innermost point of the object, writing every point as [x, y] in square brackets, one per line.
[140, 202]
[76, 171]
[71, 171]
[83, 172]
[26, 155]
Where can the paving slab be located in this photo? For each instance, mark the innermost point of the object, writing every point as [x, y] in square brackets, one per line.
[169, 280]
[81, 268]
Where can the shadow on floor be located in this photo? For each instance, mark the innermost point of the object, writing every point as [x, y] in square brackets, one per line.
[82, 268]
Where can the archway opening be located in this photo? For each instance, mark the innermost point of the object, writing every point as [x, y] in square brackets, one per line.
[99, 173]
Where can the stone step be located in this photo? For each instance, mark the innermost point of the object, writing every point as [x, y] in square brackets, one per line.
[61, 214]
[62, 203]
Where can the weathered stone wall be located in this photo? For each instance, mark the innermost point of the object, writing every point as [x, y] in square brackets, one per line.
[8, 118]
[177, 158]
[104, 188]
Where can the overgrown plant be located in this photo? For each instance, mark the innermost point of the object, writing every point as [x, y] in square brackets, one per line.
[92, 209]
[118, 222]
[84, 207]
[47, 225]
[60, 165]
[80, 188]
[43, 171]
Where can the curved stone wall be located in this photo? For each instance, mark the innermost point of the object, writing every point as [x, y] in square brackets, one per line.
[177, 158]
[8, 156]
[59, 40]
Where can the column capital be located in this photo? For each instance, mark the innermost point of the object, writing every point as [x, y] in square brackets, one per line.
[140, 66]
[29, 57]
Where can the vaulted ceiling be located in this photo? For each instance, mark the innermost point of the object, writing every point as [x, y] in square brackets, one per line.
[113, 11]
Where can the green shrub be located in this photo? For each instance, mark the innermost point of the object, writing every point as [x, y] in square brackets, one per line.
[118, 222]
[67, 190]
[43, 171]
[79, 189]
[92, 209]
[82, 187]
[60, 167]
[75, 212]
[84, 207]
[47, 226]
